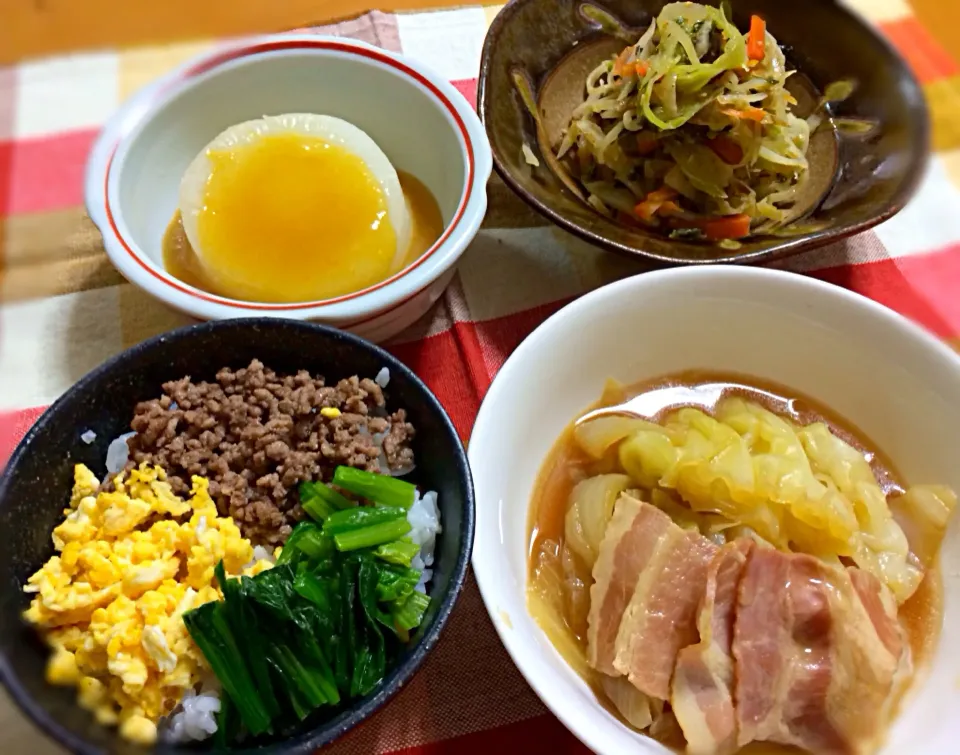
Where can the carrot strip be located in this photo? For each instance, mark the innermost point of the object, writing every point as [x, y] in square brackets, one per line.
[654, 201]
[621, 61]
[646, 209]
[647, 142]
[727, 227]
[662, 194]
[726, 149]
[750, 113]
[756, 39]
[642, 68]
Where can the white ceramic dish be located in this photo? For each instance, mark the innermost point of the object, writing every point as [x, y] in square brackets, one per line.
[894, 381]
[418, 119]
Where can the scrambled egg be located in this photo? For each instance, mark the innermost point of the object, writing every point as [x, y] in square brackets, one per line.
[131, 562]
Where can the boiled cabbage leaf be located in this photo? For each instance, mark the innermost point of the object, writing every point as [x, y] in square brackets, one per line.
[589, 509]
[744, 469]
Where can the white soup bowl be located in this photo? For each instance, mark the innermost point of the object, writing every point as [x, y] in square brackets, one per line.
[896, 383]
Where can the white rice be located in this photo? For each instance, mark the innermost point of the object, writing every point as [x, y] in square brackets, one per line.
[88, 436]
[118, 453]
[424, 518]
[261, 554]
[383, 377]
[195, 720]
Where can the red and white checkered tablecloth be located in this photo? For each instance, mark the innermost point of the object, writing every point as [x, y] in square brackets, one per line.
[64, 309]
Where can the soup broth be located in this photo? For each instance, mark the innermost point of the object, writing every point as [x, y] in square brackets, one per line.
[552, 566]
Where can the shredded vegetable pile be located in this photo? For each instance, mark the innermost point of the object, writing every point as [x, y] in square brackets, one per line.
[690, 130]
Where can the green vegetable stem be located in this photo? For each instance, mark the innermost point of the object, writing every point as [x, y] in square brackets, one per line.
[324, 624]
[360, 518]
[375, 534]
[319, 500]
[381, 489]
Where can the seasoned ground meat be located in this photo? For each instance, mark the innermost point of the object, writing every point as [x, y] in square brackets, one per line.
[256, 435]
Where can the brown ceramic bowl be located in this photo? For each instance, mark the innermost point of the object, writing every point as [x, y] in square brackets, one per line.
[857, 181]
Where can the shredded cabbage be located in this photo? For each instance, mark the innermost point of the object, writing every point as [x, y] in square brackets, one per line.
[687, 95]
[745, 471]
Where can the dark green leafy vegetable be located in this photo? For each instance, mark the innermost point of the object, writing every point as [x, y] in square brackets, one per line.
[239, 614]
[209, 628]
[370, 660]
[291, 548]
[317, 508]
[395, 583]
[410, 614]
[307, 685]
[375, 534]
[317, 490]
[368, 579]
[382, 489]
[309, 586]
[228, 723]
[343, 668]
[325, 623]
[306, 540]
[400, 552]
[363, 516]
[315, 544]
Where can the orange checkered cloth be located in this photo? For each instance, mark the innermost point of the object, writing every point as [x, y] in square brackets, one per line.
[64, 309]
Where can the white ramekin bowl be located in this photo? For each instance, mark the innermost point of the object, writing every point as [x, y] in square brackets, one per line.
[894, 381]
[419, 119]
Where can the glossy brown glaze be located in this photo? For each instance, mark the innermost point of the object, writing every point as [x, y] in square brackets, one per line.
[180, 260]
[552, 44]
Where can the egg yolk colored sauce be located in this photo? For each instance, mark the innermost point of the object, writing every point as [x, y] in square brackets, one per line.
[293, 218]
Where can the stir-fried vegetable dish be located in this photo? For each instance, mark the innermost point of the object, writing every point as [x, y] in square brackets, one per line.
[690, 129]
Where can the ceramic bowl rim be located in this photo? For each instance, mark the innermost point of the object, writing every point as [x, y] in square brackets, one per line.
[488, 422]
[305, 742]
[107, 157]
[788, 247]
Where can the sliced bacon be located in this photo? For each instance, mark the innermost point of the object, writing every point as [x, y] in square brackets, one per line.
[630, 539]
[881, 607]
[661, 617]
[702, 690]
[811, 669]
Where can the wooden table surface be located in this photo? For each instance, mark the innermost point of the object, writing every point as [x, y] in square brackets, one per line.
[31, 28]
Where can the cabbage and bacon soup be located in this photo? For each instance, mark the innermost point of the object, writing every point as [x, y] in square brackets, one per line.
[738, 571]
